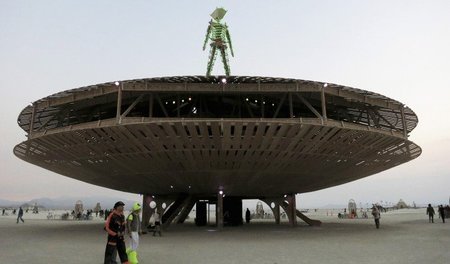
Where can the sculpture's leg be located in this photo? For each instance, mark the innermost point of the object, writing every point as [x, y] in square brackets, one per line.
[225, 61]
[212, 58]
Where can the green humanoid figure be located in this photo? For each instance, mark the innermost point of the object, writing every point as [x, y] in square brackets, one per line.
[220, 39]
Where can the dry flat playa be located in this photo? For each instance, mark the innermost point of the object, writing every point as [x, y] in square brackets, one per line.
[405, 237]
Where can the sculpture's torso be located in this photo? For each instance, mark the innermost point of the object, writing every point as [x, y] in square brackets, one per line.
[218, 31]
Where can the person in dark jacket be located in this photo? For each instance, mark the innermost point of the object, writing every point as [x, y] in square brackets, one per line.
[247, 216]
[19, 215]
[115, 226]
[430, 213]
[441, 213]
[376, 215]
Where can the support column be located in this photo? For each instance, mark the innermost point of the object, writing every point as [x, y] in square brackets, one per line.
[119, 103]
[30, 133]
[200, 213]
[262, 105]
[150, 105]
[291, 107]
[291, 210]
[276, 213]
[178, 105]
[324, 105]
[219, 210]
[276, 209]
[405, 129]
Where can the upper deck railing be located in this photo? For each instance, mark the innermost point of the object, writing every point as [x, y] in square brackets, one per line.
[217, 97]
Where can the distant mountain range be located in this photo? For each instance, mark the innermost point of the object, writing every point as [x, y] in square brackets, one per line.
[68, 202]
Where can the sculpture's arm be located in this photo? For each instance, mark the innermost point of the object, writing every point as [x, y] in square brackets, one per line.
[229, 40]
[208, 31]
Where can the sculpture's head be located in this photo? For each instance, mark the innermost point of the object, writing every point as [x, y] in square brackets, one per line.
[218, 14]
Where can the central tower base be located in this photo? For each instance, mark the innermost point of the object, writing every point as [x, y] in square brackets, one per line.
[228, 210]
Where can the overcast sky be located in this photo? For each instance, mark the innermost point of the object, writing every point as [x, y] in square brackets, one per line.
[396, 48]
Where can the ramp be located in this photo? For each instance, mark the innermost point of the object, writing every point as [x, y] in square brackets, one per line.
[308, 220]
[305, 219]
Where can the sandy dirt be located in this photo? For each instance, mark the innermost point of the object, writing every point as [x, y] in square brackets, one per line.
[405, 237]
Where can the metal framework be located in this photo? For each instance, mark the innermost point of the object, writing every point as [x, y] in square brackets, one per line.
[253, 137]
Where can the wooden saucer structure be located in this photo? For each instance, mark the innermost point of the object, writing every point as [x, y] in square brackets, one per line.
[252, 137]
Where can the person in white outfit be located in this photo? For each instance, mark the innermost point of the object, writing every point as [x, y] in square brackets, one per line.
[157, 225]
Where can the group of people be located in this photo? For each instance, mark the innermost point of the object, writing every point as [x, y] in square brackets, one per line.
[19, 214]
[118, 226]
[82, 216]
[441, 210]
[430, 212]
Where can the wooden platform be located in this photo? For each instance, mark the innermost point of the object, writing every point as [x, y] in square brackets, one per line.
[252, 137]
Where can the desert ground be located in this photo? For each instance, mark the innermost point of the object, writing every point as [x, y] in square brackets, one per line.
[405, 236]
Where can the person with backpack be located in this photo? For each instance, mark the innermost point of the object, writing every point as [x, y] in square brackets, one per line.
[134, 231]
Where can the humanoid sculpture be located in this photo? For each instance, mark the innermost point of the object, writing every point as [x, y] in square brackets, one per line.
[220, 40]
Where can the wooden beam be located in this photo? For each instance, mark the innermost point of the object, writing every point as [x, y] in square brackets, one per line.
[376, 121]
[178, 105]
[262, 105]
[324, 105]
[385, 120]
[46, 122]
[132, 106]
[310, 107]
[33, 113]
[405, 129]
[279, 106]
[150, 105]
[161, 105]
[291, 107]
[249, 110]
[119, 102]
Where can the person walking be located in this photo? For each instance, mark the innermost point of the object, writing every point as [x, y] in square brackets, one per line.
[376, 216]
[247, 216]
[441, 213]
[430, 212]
[19, 215]
[115, 226]
[134, 231]
[157, 218]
